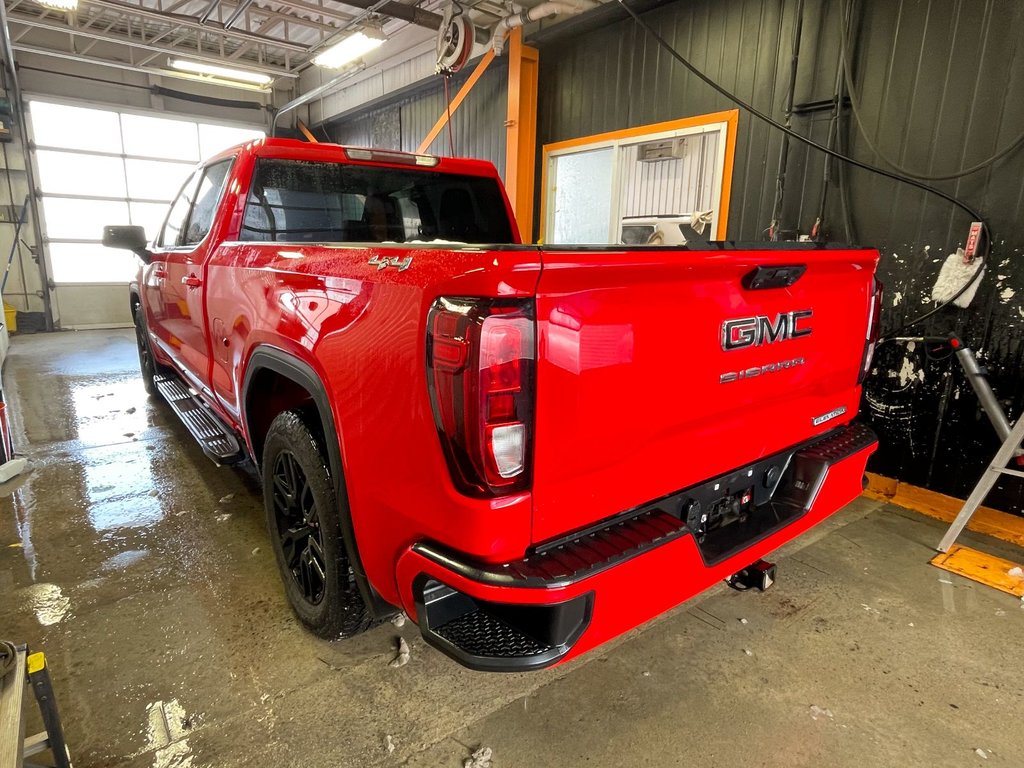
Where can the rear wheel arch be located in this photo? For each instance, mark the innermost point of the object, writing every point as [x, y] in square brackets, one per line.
[298, 387]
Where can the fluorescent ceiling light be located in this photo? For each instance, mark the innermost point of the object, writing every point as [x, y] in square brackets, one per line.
[353, 47]
[226, 73]
[59, 5]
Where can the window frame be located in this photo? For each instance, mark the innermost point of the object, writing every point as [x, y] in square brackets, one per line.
[226, 161]
[727, 121]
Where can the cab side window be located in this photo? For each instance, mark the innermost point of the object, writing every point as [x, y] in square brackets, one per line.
[175, 223]
[207, 198]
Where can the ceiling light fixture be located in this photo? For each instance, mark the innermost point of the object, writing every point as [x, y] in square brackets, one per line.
[353, 47]
[59, 5]
[224, 73]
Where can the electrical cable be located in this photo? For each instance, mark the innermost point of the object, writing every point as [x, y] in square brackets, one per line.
[848, 76]
[967, 208]
[448, 111]
[8, 658]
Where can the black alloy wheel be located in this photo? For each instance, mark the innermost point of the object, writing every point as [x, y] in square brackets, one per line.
[298, 528]
[303, 505]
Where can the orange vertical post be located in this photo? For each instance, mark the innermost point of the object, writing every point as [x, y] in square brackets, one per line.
[521, 122]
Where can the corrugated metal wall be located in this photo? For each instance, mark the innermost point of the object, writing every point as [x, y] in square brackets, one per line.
[941, 86]
[402, 123]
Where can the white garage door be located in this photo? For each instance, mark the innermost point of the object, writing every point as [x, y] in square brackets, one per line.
[97, 167]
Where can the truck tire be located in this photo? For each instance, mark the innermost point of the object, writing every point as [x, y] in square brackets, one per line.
[302, 516]
[147, 363]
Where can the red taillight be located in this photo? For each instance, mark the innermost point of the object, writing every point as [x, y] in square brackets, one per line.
[480, 370]
[874, 324]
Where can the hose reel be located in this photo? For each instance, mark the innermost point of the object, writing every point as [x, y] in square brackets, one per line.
[454, 39]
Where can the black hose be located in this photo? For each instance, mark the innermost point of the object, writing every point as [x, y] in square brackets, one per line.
[8, 658]
[848, 76]
[780, 180]
[974, 214]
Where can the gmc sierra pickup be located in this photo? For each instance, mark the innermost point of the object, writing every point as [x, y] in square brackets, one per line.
[529, 449]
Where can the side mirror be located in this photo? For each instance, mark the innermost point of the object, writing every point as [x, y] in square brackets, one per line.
[130, 238]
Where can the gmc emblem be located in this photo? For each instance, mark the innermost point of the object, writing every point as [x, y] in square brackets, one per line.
[755, 331]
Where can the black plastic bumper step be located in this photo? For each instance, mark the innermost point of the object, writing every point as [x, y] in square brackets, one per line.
[481, 634]
[498, 637]
[213, 435]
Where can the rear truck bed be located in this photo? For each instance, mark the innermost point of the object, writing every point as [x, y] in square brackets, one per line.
[674, 415]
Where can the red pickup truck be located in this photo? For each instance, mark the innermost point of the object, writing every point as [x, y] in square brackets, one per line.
[529, 449]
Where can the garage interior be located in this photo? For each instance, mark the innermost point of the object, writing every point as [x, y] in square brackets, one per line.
[145, 573]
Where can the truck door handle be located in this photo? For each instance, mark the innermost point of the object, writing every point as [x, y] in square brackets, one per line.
[191, 281]
[160, 273]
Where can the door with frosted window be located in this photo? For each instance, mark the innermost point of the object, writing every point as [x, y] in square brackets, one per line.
[101, 166]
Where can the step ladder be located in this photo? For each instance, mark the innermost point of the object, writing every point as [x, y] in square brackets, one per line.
[29, 669]
[1006, 452]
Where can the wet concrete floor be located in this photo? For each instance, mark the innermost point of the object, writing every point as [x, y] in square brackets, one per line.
[144, 573]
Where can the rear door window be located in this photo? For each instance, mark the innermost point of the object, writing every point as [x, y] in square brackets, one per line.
[304, 201]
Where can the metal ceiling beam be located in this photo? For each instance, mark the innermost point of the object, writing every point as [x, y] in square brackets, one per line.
[132, 43]
[192, 23]
[205, 17]
[318, 10]
[241, 8]
[120, 65]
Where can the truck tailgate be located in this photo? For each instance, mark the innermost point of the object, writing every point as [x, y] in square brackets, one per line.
[637, 396]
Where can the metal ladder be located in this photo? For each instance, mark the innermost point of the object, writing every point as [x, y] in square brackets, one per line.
[1009, 448]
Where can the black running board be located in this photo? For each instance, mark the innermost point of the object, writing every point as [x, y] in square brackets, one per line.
[213, 435]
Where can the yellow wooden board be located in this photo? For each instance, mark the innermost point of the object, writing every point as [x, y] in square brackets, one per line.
[985, 520]
[981, 567]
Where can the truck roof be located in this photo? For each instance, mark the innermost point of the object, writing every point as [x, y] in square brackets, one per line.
[295, 149]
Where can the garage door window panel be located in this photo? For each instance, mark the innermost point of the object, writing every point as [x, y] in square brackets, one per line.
[70, 173]
[149, 216]
[101, 166]
[60, 125]
[160, 137]
[80, 219]
[92, 263]
[215, 138]
[154, 179]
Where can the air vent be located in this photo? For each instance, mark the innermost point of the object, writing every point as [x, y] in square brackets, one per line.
[663, 149]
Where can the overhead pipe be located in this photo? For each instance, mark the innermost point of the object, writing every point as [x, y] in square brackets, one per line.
[409, 13]
[538, 12]
[18, 107]
[321, 90]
